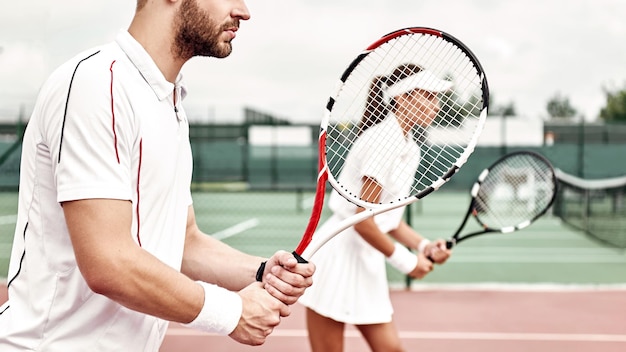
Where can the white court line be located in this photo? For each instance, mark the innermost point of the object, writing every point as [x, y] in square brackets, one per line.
[236, 229]
[543, 250]
[591, 259]
[434, 335]
[437, 335]
[512, 287]
[8, 219]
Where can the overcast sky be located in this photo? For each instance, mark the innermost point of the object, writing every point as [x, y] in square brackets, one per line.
[287, 58]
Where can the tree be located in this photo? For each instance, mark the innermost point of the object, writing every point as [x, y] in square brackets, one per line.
[504, 110]
[615, 109]
[559, 107]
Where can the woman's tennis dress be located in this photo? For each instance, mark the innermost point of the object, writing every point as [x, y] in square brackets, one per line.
[350, 281]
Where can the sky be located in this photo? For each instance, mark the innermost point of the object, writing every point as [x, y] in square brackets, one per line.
[287, 58]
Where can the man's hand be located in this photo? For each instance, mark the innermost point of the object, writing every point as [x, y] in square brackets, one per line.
[285, 278]
[260, 315]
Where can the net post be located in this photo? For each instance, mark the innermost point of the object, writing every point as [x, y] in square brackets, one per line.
[407, 214]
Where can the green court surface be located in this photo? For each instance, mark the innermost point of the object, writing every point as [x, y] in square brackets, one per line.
[547, 252]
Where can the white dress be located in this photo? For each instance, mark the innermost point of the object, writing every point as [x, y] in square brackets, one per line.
[350, 282]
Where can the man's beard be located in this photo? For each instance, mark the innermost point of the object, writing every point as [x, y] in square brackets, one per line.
[197, 34]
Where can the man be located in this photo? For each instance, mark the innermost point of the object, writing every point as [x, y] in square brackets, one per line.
[106, 248]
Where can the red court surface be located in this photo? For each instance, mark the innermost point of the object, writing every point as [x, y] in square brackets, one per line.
[465, 321]
[437, 320]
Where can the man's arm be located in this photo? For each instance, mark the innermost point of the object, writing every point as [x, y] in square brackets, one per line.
[211, 260]
[113, 265]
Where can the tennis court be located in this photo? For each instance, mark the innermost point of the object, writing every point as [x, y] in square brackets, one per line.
[545, 288]
[463, 320]
[545, 252]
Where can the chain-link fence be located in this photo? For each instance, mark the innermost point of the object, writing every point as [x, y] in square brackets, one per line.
[257, 197]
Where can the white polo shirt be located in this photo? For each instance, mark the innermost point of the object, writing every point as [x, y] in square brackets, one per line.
[392, 164]
[104, 126]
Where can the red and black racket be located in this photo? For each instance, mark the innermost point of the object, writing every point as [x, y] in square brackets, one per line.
[444, 145]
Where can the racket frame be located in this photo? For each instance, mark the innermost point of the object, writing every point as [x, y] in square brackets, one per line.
[455, 239]
[306, 248]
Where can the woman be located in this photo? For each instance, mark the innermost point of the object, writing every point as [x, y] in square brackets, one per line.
[350, 284]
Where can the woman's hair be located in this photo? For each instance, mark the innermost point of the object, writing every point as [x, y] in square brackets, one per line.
[376, 107]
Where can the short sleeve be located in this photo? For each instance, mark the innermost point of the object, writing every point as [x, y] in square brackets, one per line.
[93, 146]
[373, 161]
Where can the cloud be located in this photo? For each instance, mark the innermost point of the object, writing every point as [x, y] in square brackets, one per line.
[287, 58]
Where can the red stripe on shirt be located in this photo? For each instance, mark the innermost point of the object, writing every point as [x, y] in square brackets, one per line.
[113, 116]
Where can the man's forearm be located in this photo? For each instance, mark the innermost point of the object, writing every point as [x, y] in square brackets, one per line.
[211, 260]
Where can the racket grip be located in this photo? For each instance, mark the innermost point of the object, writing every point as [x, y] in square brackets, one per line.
[299, 258]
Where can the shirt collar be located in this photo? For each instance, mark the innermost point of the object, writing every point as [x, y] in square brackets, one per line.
[147, 67]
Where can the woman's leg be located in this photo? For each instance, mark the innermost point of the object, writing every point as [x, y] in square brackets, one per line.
[325, 334]
[381, 337]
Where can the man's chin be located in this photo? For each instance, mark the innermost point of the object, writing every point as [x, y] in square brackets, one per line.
[223, 54]
[223, 51]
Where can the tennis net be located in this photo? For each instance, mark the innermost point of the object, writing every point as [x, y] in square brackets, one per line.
[595, 207]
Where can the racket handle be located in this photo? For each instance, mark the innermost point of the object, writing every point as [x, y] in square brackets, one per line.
[299, 258]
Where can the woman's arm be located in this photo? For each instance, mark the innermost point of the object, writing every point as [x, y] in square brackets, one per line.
[435, 251]
[406, 235]
[415, 266]
[367, 228]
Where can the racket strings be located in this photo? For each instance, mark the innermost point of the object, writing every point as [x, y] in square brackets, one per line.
[397, 136]
[515, 191]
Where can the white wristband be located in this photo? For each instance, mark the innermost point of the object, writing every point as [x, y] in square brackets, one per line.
[423, 243]
[402, 259]
[221, 310]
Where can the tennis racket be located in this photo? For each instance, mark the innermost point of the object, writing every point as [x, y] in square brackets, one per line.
[442, 139]
[509, 195]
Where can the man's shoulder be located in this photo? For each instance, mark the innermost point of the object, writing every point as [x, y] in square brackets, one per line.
[93, 58]
[89, 67]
